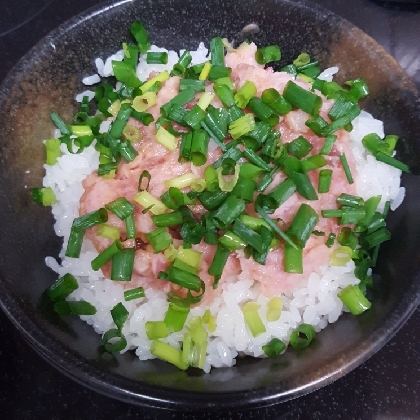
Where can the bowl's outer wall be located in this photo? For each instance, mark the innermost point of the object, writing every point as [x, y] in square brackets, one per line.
[46, 81]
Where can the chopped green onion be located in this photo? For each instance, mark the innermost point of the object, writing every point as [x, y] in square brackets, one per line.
[313, 162]
[377, 237]
[325, 178]
[316, 124]
[74, 244]
[62, 288]
[217, 72]
[346, 168]
[244, 188]
[193, 118]
[168, 219]
[125, 73]
[181, 66]
[274, 347]
[358, 88]
[45, 196]
[341, 256]
[228, 211]
[131, 133]
[245, 93]
[255, 159]
[120, 121]
[391, 141]
[127, 151]
[184, 181]
[199, 147]
[242, 126]
[106, 255]
[274, 100]
[184, 279]
[110, 344]
[52, 147]
[299, 147]
[274, 307]
[119, 315]
[140, 34]
[253, 319]
[248, 235]
[350, 200]
[121, 207]
[225, 94]
[107, 169]
[122, 265]
[176, 316]
[266, 241]
[330, 240]
[389, 160]
[80, 224]
[205, 71]
[156, 329]
[217, 52]
[341, 107]
[347, 237]
[157, 57]
[159, 239]
[159, 78]
[224, 184]
[302, 60]
[248, 170]
[166, 139]
[65, 307]
[283, 191]
[268, 54]
[302, 336]
[132, 294]
[212, 199]
[215, 124]
[293, 259]
[274, 226]
[211, 177]
[218, 264]
[354, 299]
[328, 144]
[231, 241]
[303, 224]
[59, 123]
[168, 354]
[145, 199]
[343, 121]
[263, 111]
[195, 85]
[302, 99]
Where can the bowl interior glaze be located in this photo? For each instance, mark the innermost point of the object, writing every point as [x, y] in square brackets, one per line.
[46, 80]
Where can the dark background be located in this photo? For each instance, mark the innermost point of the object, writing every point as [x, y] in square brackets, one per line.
[385, 387]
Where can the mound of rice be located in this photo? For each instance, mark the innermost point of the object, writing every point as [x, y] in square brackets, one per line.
[313, 302]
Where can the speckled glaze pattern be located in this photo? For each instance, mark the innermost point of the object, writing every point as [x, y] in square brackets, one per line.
[47, 78]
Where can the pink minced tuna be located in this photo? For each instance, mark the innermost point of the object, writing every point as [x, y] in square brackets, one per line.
[163, 165]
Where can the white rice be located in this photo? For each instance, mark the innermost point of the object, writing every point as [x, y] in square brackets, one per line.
[314, 302]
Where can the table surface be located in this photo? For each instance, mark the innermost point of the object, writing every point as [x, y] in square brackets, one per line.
[386, 386]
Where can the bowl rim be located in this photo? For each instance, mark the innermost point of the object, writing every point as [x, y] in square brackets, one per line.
[94, 378]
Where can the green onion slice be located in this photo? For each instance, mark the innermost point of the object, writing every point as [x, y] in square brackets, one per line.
[302, 336]
[62, 287]
[114, 341]
[274, 347]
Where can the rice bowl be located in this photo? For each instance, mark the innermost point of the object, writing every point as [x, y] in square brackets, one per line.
[341, 347]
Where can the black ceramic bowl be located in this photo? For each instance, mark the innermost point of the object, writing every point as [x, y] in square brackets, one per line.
[47, 78]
